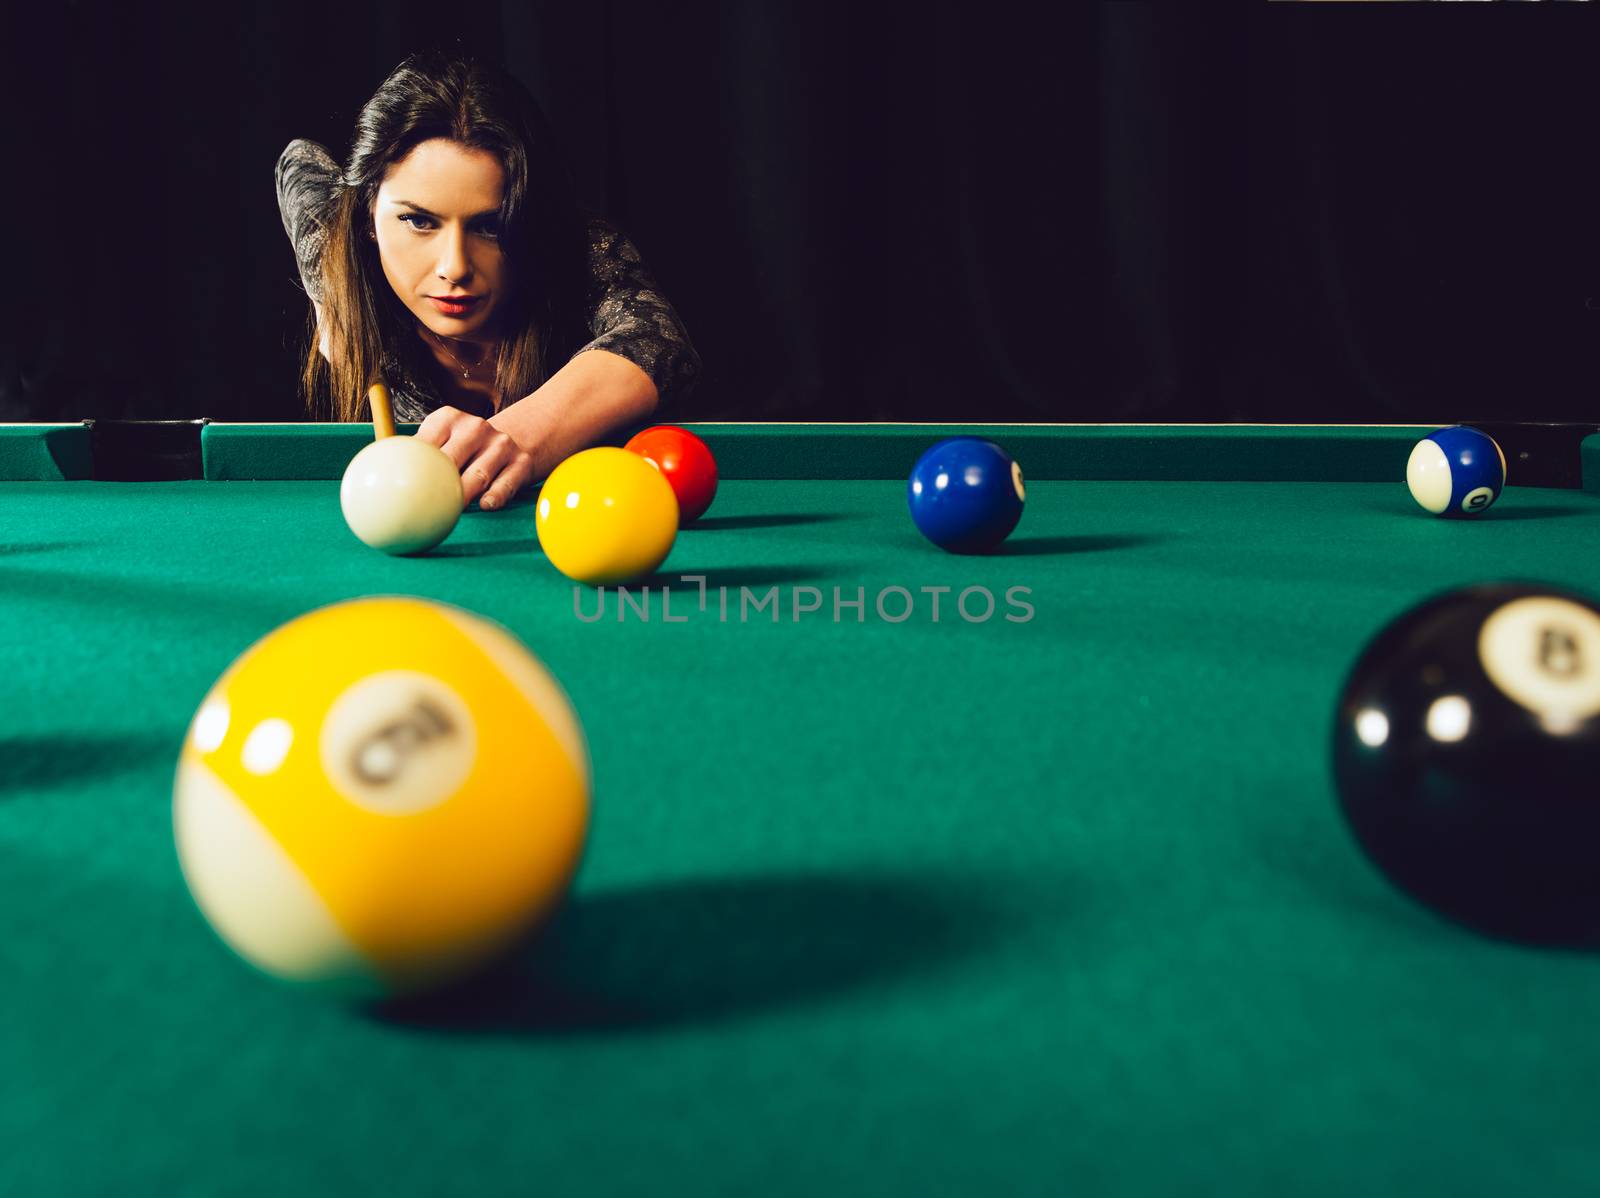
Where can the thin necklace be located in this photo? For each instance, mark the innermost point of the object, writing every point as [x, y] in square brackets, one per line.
[466, 371]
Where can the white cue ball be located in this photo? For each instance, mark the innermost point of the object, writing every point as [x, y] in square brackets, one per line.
[401, 495]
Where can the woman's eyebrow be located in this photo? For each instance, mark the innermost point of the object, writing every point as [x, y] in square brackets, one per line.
[420, 209]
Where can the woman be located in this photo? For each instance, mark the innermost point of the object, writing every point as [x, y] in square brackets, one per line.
[454, 192]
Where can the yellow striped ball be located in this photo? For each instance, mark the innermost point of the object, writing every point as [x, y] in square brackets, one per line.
[379, 796]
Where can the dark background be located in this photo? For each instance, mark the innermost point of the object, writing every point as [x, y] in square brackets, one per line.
[874, 210]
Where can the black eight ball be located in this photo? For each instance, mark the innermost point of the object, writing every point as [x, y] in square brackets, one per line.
[1466, 751]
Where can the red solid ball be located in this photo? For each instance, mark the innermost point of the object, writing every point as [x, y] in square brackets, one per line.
[686, 463]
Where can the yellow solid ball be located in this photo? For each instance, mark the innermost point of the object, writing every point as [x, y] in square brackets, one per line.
[401, 495]
[606, 517]
[380, 795]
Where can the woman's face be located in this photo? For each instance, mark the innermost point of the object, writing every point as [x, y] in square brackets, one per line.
[437, 216]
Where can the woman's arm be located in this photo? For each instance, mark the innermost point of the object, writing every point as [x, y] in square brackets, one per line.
[591, 395]
[306, 178]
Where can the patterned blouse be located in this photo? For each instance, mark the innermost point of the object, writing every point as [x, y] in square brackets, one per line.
[631, 319]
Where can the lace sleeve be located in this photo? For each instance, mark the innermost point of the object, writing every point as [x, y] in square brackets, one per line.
[634, 320]
[307, 177]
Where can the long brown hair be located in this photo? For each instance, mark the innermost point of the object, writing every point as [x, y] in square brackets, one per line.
[542, 235]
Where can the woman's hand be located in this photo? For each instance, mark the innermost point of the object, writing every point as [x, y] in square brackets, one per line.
[595, 392]
[493, 466]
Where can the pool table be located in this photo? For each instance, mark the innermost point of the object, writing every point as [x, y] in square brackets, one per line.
[1044, 893]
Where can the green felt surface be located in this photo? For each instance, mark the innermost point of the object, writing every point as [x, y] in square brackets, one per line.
[1061, 906]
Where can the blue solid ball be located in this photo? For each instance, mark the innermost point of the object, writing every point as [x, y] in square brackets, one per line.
[1456, 471]
[966, 494]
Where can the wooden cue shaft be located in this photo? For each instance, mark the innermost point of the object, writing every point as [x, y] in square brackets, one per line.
[382, 414]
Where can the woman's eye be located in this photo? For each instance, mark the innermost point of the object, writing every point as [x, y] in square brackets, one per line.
[488, 230]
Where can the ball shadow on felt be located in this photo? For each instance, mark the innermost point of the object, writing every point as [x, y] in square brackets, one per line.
[705, 950]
